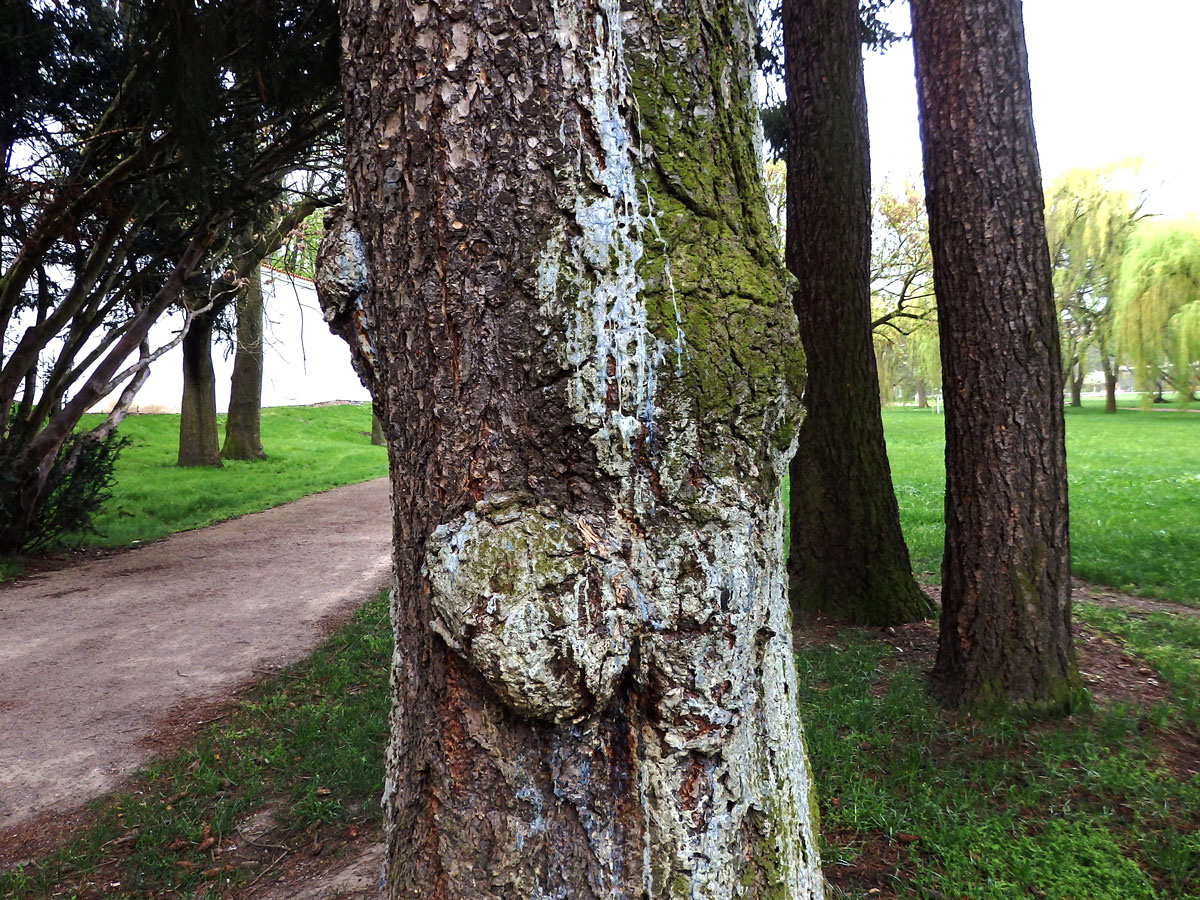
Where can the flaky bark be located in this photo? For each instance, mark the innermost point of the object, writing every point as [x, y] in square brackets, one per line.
[555, 272]
[1006, 604]
[243, 438]
[198, 408]
[848, 558]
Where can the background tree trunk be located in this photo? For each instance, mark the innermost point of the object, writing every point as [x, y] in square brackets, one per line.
[1077, 375]
[242, 432]
[556, 271]
[1110, 382]
[377, 437]
[1006, 602]
[198, 442]
[922, 395]
[848, 558]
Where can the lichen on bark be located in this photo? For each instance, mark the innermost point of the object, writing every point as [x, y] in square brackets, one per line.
[588, 366]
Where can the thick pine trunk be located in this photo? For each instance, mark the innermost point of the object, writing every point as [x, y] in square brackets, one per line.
[556, 271]
[198, 441]
[1006, 604]
[243, 438]
[848, 558]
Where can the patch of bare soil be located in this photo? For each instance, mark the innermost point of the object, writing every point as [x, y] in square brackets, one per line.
[105, 664]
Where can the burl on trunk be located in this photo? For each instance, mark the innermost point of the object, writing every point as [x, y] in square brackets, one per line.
[555, 271]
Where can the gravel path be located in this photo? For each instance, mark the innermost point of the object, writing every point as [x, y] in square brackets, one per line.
[97, 658]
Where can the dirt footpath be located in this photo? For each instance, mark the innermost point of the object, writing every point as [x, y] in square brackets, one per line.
[97, 658]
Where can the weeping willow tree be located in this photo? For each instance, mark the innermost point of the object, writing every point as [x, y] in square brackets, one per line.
[904, 313]
[1157, 307]
[1090, 214]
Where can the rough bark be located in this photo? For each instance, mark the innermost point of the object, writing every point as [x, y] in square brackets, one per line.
[243, 438]
[1005, 636]
[198, 441]
[848, 559]
[555, 271]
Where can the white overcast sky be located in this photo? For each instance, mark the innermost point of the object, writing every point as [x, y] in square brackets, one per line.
[1111, 79]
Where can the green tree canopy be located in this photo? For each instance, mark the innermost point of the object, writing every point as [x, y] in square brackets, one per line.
[1090, 213]
[1157, 306]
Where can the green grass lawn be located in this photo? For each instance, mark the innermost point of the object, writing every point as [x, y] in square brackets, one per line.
[309, 449]
[1134, 489]
[916, 803]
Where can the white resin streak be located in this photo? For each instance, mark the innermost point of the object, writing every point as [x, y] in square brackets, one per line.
[757, 743]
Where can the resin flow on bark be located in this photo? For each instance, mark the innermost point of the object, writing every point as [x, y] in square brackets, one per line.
[590, 410]
[555, 610]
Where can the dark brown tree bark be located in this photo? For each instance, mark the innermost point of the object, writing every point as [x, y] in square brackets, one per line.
[243, 438]
[198, 442]
[848, 559]
[555, 271]
[1005, 637]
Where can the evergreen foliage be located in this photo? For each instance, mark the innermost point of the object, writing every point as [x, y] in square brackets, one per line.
[79, 482]
[139, 140]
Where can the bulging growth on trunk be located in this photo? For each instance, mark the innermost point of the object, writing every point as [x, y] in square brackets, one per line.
[555, 270]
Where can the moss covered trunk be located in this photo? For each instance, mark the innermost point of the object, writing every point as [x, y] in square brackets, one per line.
[555, 270]
[848, 559]
[243, 438]
[1006, 593]
[198, 440]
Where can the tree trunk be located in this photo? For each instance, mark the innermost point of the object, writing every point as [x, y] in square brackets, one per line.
[1077, 386]
[555, 269]
[848, 558]
[242, 435]
[1006, 603]
[922, 394]
[198, 444]
[1110, 383]
[377, 438]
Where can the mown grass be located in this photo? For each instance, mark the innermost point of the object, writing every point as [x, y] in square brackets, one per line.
[309, 449]
[308, 742]
[919, 804]
[1134, 493]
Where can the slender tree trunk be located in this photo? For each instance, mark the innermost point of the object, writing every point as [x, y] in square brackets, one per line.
[1077, 375]
[377, 438]
[198, 409]
[1110, 383]
[242, 435]
[1006, 593]
[848, 558]
[556, 271]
